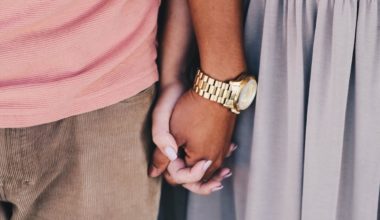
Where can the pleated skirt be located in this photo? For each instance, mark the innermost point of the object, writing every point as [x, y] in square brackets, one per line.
[309, 148]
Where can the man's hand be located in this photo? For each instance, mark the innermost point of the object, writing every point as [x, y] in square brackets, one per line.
[176, 172]
[203, 128]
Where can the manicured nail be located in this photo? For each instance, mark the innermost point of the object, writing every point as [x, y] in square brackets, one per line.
[234, 147]
[217, 188]
[170, 153]
[228, 175]
[207, 165]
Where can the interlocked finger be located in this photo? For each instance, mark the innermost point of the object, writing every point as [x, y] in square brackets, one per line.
[180, 174]
[213, 185]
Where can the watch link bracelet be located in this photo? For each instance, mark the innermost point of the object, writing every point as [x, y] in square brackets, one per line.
[235, 95]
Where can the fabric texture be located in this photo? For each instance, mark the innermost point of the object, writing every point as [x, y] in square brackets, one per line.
[309, 148]
[87, 167]
[62, 58]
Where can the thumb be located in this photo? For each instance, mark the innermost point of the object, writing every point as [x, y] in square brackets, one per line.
[160, 127]
[165, 152]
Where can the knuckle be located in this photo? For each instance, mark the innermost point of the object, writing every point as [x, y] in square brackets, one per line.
[187, 179]
[157, 138]
[175, 178]
[198, 177]
[160, 161]
[169, 179]
[191, 179]
[217, 164]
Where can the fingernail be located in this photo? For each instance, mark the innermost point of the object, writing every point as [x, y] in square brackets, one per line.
[234, 147]
[228, 175]
[207, 165]
[170, 153]
[217, 188]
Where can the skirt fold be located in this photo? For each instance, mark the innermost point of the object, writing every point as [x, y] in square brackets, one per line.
[309, 149]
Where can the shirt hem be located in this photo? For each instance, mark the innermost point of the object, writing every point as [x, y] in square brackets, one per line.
[81, 105]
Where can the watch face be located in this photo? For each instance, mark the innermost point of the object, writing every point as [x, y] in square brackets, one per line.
[247, 94]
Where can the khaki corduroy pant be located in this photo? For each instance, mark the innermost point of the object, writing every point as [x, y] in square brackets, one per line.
[89, 166]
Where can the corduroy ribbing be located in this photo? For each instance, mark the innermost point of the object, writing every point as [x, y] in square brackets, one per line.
[91, 166]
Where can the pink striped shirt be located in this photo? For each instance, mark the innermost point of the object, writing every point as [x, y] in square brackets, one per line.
[62, 58]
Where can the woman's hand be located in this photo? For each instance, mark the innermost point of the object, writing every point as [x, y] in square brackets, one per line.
[166, 152]
[169, 94]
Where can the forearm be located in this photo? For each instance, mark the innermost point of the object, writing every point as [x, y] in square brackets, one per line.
[218, 28]
[175, 42]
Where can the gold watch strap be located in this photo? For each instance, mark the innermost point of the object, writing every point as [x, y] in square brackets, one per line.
[214, 90]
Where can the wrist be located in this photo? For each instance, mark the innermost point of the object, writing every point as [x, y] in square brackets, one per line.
[169, 83]
[224, 70]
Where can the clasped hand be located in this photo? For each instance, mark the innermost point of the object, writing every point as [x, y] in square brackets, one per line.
[202, 129]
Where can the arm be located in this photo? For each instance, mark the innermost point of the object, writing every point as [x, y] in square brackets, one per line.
[175, 41]
[174, 45]
[173, 49]
[203, 127]
[218, 28]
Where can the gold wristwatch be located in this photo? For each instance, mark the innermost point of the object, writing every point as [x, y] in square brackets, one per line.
[236, 95]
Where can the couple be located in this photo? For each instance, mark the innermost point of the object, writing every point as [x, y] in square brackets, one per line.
[76, 89]
[76, 98]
